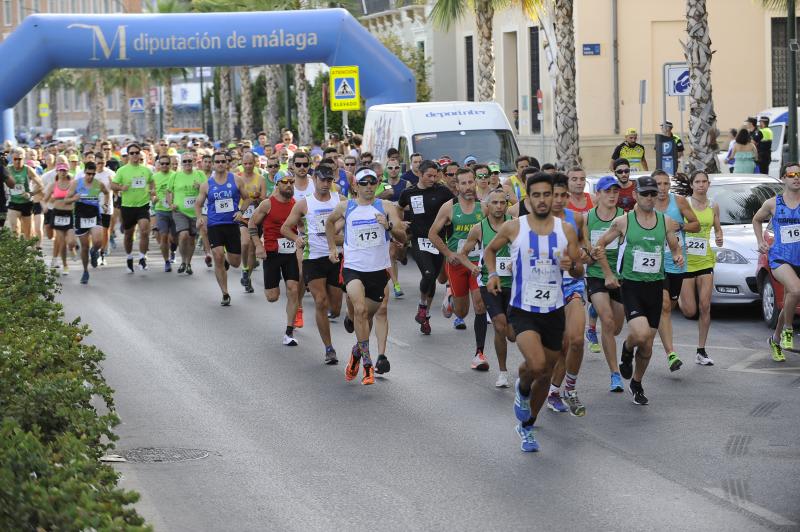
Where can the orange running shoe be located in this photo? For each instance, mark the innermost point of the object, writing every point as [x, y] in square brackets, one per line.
[351, 370]
[369, 375]
[298, 319]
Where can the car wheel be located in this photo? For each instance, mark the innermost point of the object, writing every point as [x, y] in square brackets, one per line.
[769, 308]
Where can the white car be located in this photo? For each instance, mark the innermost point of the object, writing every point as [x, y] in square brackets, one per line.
[67, 135]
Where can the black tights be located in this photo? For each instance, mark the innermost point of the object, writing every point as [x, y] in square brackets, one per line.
[429, 266]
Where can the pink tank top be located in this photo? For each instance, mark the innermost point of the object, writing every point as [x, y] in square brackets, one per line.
[59, 193]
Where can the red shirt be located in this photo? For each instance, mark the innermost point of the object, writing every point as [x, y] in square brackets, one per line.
[626, 200]
[271, 225]
[571, 206]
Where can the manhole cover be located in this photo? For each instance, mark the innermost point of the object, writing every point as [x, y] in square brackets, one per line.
[150, 455]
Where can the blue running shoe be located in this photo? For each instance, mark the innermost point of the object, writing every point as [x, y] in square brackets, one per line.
[85, 278]
[522, 404]
[616, 383]
[529, 443]
[459, 324]
[555, 403]
[591, 338]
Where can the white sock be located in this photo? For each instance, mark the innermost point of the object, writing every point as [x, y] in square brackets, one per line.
[553, 390]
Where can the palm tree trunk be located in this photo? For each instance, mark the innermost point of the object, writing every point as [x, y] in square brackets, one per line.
[301, 100]
[124, 109]
[224, 102]
[149, 115]
[169, 111]
[271, 126]
[566, 112]
[234, 115]
[52, 97]
[247, 102]
[99, 104]
[484, 16]
[702, 118]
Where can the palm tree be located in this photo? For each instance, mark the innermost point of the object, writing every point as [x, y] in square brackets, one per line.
[92, 82]
[702, 118]
[247, 102]
[54, 81]
[301, 101]
[225, 129]
[272, 76]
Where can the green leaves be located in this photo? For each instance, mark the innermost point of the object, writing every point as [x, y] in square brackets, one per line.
[51, 436]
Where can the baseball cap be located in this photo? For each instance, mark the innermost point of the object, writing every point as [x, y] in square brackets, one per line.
[73, 158]
[62, 166]
[494, 167]
[444, 161]
[630, 131]
[123, 151]
[606, 182]
[470, 159]
[645, 184]
[172, 152]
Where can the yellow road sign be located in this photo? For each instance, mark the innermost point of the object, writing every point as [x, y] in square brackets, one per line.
[44, 110]
[344, 87]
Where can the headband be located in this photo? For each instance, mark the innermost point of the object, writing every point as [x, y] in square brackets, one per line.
[366, 172]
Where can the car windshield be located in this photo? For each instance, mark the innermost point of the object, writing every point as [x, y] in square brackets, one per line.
[485, 145]
[67, 132]
[738, 202]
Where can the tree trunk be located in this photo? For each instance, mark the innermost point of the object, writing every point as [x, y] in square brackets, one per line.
[169, 111]
[566, 112]
[52, 97]
[271, 126]
[124, 107]
[234, 115]
[301, 100]
[484, 16]
[98, 104]
[224, 100]
[247, 102]
[702, 118]
[149, 114]
[547, 27]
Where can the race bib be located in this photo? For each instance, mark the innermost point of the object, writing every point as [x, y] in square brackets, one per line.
[595, 238]
[678, 238]
[138, 182]
[223, 205]
[699, 246]
[543, 295]
[286, 246]
[61, 221]
[88, 223]
[417, 205]
[204, 210]
[644, 262]
[248, 213]
[427, 246]
[188, 203]
[165, 203]
[18, 190]
[318, 222]
[474, 252]
[503, 265]
[368, 236]
[790, 234]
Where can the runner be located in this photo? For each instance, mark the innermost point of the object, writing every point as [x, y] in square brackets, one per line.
[496, 304]
[515, 183]
[369, 225]
[278, 253]
[182, 193]
[423, 202]
[61, 215]
[699, 281]
[304, 186]
[256, 190]
[678, 209]
[86, 191]
[165, 226]
[627, 198]
[136, 185]
[105, 175]
[462, 214]
[26, 185]
[320, 274]
[223, 191]
[207, 167]
[541, 246]
[783, 253]
[644, 232]
[483, 190]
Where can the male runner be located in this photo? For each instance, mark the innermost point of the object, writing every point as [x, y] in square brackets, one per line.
[542, 246]
[182, 196]
[207, 167]
[105, 175]
[627, 188]
[397, 251]
[86, 191]
[462, 214]
[641, 269]
[369, 225]
[164, 223]
[255, 190]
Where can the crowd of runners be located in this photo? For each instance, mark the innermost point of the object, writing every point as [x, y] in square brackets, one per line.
[534, 255]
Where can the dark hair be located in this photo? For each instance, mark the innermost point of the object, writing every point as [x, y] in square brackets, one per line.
[261, 133]
[522, 158]
[764, 119]
[427, 164]
[357, 140]
[329, 149]
[452, 163]
[367, 154]
[658, 172]
[90, 166]
[548, 166]
[301, 154]
[464, 170]
[480, 165]
[743, 137]
[99, 155]
[538, 177]
[752, 120]
[733, 131]
[529, 171]
[787, 165]
[576, 168]
[328, 161]
[695, 174]
[416, 154]
[560, 180]
[680, 184]
[619, 162]
[132, 145]
[392, 152]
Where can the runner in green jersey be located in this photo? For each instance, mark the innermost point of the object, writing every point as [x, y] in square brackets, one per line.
[181, 195]
[641, 268]
[496, 304]
[136, 184]
[164, 223]
[26, 185]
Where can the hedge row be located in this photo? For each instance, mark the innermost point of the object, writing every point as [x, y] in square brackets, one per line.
[51, 437]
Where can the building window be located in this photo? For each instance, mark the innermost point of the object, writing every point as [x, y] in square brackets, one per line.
[7, 12]
[36, 6]
[780, 76]
[21, 11]
[536, 82]
[52, 6]
[469, 68]
[66, 99]
[106, 6]
[110, 101]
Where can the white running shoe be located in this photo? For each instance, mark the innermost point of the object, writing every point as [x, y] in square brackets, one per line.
[704, 360]
[288, 340]
[502, 380]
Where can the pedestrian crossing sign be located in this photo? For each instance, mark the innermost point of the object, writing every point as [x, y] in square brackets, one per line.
[344, 87]
[136, 105]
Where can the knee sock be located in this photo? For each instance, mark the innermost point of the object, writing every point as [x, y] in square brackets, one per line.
[569, 382]
[480, 330]
[363, 348]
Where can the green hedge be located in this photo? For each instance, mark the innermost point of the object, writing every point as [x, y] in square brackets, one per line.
[51, 437]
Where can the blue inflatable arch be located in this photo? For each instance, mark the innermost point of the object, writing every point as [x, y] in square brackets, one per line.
[332, 36]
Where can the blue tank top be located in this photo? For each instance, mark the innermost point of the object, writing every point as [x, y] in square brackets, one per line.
[223, 201]
[674, 212]
[88, 195]
[786, 226]
[568, 280]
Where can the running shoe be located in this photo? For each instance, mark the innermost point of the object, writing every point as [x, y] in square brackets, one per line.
[248, 287]
[421, 316]
[674, 362]
[529, 443]
[298, 318]
[425, 327]
[54, 263]
[575, 405]
[639, 397]
[775, 349]
[289, 341]
[143, 263]
[479, 361]
[459, 324]
[787, 339]
[555, 403]
[102, 261]
[243, 280]
[226, 300]
[522, 404]
[502, 380]
[447, 304]
[591, 337]
[85, 277]
[167, 267]
[369, 373]
[349, 326]
[382, 365]
[172, 256]
[189, 269]
[616, 383]
[626, 363]
[351, 370]
[65, 270]
[130, 265]
[330, 356]
[398, 292]
[704, 360]
[182, 268]
[113, 241]
[592, 312]
[93, 255]
[209, 262]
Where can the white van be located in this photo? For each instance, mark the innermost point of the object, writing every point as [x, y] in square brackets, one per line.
[778, 123]
[437, 129]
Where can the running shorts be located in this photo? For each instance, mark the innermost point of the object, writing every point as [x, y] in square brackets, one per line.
[496, 304]
[643, 299]
[226, 235]
[673, 283]
[322, 268]
[24, 209]
[181, 223]
[132, 215]
[462, 282]
[596, 286]
[374, 282]
[280, 265]
[572, 289]
[62, 220]
[549, 326]
[164, 223]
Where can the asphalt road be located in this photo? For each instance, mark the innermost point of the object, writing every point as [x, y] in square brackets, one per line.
[431, 446]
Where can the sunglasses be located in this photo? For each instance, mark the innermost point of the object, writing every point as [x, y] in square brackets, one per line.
[349, 164]
[133, 153]
[273, 166]
[495, 173]
[188, 162]
[286, 181]
[368, 181]
[649, 193]
[790, 174]
[164, 164]
[301, 165]
[20, 158]
[88, 173]
[622, 171]
[393, 168]
[482, 176]
[220, 162]
[450, 174]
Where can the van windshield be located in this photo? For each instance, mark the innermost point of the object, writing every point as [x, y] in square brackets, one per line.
[496, 145]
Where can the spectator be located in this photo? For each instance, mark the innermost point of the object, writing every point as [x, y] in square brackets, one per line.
[631, 151]
[745, 154]
[764, 147]
[729, 156]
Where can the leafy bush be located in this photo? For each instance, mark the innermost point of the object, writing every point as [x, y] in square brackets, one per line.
[51, 437]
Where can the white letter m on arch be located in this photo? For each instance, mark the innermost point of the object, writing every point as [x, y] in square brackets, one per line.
[99, 38]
